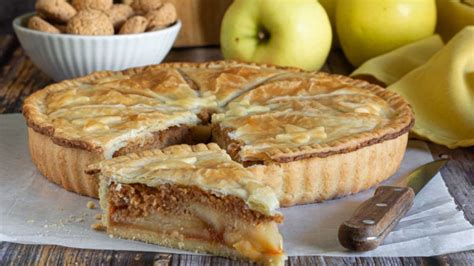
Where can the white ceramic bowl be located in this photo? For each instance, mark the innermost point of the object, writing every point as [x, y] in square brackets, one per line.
[64, 56]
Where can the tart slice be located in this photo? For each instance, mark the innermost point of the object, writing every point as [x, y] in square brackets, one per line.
[190, 197]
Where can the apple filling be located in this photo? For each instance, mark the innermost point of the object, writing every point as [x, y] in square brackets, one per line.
[190, 218]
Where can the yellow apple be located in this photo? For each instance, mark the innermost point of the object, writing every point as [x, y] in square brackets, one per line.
[330, 7]
[368, 28]
[283, 32]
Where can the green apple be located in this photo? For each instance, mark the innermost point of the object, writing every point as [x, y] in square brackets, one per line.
[368, 28]
[283, 32]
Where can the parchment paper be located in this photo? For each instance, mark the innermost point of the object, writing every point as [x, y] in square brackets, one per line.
[35, 211]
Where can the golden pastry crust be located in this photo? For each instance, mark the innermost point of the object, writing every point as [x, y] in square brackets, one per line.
[309, 115]
[193, 82]
[233, 147]
[34, 108]
[39, 108]
[227, 84]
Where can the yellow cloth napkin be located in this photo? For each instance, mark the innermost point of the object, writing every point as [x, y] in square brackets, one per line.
[441, 92]
[390, 67]
[453, 16]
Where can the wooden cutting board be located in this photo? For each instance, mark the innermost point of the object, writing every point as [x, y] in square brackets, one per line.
[201, 21]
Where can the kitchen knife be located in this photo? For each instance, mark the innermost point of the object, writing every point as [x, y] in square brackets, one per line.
[377, 216]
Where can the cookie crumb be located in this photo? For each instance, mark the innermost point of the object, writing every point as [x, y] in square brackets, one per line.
[98, 216]
[91, 205]
[98, 227]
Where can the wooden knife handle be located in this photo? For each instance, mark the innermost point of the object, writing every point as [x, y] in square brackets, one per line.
[375, 218]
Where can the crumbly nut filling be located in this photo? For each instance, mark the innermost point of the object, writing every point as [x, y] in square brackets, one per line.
[138, 200]
[173, 135]
[232, 146]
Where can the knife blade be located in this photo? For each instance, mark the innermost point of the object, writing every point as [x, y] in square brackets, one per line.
[377, 216]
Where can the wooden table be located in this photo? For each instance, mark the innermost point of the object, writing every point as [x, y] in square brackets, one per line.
[19, 78]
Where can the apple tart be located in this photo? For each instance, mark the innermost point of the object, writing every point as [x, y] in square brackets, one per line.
[308, 136]
[190, 197]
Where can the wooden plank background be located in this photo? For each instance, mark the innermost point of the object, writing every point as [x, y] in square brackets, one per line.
[9, 9]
